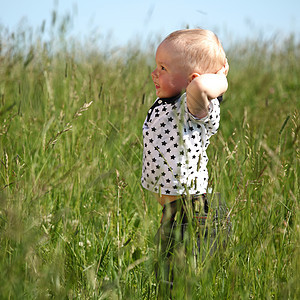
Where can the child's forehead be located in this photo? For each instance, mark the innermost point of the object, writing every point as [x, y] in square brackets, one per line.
[168, 51]
[169, 45]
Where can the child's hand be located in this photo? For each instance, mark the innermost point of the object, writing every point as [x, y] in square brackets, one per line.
[224, 69]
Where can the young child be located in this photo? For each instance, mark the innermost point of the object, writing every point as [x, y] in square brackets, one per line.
[178, 126]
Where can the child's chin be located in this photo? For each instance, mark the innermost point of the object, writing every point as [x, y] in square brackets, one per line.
[160, 94]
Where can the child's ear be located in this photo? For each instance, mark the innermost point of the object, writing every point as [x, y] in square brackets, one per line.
[193, 76]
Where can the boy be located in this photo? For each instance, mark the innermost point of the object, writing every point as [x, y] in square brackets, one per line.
[178, 126]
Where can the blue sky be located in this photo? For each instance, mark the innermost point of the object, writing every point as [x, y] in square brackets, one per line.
[121, 20]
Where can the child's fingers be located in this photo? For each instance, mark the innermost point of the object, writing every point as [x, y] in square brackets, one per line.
[226, 67]
[224, 70]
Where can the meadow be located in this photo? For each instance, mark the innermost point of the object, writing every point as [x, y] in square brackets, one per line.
[74, 220]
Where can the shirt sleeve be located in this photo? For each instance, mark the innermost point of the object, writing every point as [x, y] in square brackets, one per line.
[211, 122]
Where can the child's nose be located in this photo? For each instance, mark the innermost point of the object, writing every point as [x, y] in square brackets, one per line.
[154, 73]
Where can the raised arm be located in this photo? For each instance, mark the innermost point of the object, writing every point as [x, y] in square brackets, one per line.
[203, 88]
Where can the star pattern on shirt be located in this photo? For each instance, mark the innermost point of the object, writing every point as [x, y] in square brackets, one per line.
[173, 146]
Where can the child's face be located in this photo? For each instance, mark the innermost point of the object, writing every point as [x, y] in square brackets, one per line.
[170, 77]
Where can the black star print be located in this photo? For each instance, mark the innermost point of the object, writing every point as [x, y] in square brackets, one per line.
[164, 130]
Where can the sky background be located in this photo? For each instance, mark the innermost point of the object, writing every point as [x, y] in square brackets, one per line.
[120, 21]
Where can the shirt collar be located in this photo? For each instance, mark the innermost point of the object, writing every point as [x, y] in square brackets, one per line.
[170, 100]
[161, 101]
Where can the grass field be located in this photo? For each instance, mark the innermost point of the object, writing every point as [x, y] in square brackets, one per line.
[74, 220]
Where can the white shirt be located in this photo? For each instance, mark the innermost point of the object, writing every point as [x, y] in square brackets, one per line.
[175, 143]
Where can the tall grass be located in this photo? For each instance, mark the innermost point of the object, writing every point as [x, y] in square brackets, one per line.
[74, 220]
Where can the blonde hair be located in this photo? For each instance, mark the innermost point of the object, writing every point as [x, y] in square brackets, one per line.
[201, 49]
